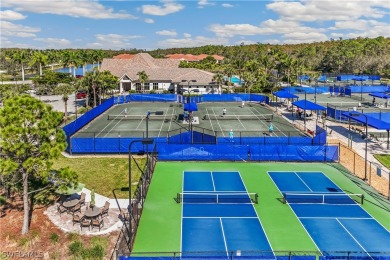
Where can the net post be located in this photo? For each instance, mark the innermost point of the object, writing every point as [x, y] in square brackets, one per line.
[178, 199]
[284, 198]
[256, 198]
[362, 199]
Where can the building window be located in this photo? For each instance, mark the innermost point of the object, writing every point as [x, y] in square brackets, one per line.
[138, 86]
[155, 86]
[146, 86]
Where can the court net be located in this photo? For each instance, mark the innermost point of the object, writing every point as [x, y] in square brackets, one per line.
[142, 117]
[218, 198]
[266, 117]
[325, 198]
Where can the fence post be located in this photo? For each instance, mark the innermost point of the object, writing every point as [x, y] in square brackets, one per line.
[94, 143]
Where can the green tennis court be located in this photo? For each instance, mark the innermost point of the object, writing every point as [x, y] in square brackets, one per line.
[129, 120]
[160, 228]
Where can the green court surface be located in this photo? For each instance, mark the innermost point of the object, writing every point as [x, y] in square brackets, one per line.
[160, 224]
[128, 120]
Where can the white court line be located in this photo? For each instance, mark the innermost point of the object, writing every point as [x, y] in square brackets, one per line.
[224, 238]
[212, 127]
[353, 238]
[213, 191]
[282, 132]
[224, 217]
[333, 218]
[303, 181]
[295, 214]
[239, 121]
[258, 218]
[110, 124]
[212, 180]
[182, 216]
[218, 122]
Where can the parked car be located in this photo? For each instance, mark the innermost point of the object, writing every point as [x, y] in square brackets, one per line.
[81, 94]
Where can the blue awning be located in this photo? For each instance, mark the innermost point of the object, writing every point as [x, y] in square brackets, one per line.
[380, 95]
[308, 105]
[284, 94]
[190, 107]
[371, 121]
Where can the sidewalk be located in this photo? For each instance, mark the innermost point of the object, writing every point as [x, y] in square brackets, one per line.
[338, 132]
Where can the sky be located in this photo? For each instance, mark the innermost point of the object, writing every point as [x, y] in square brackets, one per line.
[149, 25]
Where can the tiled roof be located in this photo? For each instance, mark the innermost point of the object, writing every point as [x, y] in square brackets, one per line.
[156, 69]
[124, 56]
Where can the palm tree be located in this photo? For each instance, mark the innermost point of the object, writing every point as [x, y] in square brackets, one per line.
[38, 58]
[92, 79]
[142, 78]
[20, 58]
[64, 89]
[229, 70]
[218, 78]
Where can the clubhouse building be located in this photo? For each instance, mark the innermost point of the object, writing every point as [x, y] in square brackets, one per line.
[163, 75]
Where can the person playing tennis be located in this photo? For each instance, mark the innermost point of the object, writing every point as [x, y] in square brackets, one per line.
[125, 111]
[242, 104]
[271, 129]
[224, 111]
[231, 135]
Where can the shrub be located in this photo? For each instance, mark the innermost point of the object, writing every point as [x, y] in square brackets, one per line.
[76, 248]
[95, 252]
[54, 237]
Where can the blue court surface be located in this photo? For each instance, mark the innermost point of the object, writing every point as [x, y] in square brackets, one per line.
[335, 221]
[218, 218]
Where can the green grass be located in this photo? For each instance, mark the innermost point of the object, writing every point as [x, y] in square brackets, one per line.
[103, 174]
[383, 159]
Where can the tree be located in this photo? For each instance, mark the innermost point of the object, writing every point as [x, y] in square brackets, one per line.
[30, 139]
[142, 77]
[218, 78]
[38, 58]
[64, 89]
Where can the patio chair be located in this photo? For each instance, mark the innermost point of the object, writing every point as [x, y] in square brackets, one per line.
[82, 199]
[61, 209]
[76, 219]
[105, 209]
[98, 222]
[125, 216]
[76, 208]
[85, 223]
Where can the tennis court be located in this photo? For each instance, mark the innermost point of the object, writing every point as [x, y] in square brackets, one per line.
[129, 120]
[218, 216]
[236, 209]
[325, 210]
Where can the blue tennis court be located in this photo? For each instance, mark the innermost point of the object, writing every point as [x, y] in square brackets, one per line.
[218, 216]
[335, 220]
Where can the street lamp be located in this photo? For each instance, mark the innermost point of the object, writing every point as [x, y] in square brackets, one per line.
[354, 114]
[190, 117]
[144, 141]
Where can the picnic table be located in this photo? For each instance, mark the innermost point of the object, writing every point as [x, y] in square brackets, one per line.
[92, 212]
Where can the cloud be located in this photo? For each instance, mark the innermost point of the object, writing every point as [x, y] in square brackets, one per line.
[167, 33]
[149, 20]
[167, 8]
[112, 41]
[86, 8]
[54, 43]
[328, 10]
[17, 30]
[227, 5]
[186, 35]
[192, 42]
[203, 3]
[11, 15]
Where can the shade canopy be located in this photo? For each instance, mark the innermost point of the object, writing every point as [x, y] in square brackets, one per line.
[308, 105]
[284, 94]
[380, 95]
[371, 121]
[190, 107]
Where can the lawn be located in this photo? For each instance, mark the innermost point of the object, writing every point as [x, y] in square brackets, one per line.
[103, 174]
[383, 159]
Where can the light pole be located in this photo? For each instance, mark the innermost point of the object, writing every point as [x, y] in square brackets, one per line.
[366, 136]
[125, 219]
[144, 141]
[190, 117]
